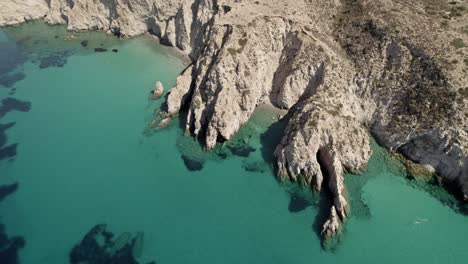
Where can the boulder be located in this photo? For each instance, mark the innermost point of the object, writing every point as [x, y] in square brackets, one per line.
[158, 91]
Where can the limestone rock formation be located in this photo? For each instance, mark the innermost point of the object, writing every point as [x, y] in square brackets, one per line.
[18, 11]
[344, 69]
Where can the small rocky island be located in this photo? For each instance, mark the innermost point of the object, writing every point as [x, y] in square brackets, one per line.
[346, 71]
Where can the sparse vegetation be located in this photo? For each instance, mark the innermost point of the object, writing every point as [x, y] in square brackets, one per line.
[232, 51]
[458, 43]
[465, 30]
[196, 103]
[414, 170]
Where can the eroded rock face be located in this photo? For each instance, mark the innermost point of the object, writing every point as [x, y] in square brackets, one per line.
[343, 69]
[360, 71]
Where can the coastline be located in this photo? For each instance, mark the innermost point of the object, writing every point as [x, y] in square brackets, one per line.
[323, 68]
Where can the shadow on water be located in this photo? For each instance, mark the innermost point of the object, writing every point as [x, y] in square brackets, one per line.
[323, 205]
[446, 192]
[300, 198]
[194, 155]
[271, 138]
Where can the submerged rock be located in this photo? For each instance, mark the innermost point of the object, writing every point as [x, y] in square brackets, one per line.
[6, 190]
[121, 241]
[137, 248]
[9, 247]
[8, 151]
[3, 136]
[255, 166]
[192, 164]
[10, 79]
[56, 59]
[100, 50]
[84, 43]
[165, 122]
[297, 203]
[70, 37]
[97, 247]
[12, 104]
[241, 150]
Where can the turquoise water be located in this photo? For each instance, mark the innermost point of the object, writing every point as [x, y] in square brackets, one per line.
[84, 157]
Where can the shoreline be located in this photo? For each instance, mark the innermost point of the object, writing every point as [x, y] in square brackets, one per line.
[169, 50]
[329, 132]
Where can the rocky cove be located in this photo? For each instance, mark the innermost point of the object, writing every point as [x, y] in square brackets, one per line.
[343, 70]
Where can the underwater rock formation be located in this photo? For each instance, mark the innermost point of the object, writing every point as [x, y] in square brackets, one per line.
[12, 104]
[297, 203]
[9, 247]
[100, 50]
[255, 166]
[84, 43]
[97, 247]
[344, 69]
[242, 150]
[57, 59]
[6, 190]
[192, 164]
[10, 79]
[3, 128]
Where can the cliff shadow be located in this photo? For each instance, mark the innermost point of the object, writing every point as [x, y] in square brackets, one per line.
[323, 205]
[448, 192]
[271, 138]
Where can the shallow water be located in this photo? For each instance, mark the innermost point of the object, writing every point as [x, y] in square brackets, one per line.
[84, 157]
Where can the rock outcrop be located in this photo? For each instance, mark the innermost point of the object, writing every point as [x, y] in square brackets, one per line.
[343, 68]
[158, 91]
[99, 246]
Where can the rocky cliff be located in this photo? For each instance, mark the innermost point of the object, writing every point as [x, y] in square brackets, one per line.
[344, 69]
